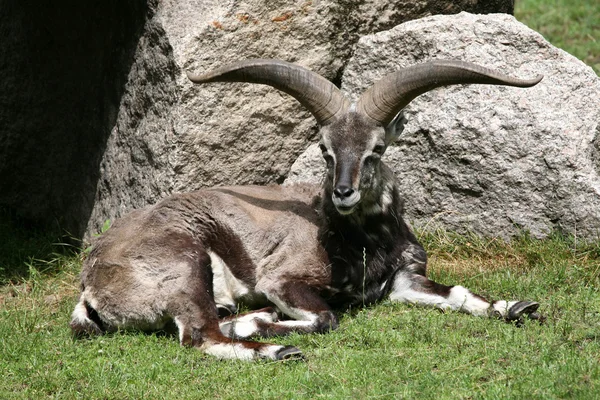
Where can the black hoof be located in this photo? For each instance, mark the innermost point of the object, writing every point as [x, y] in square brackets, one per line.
[538, 317]
[524, 308]
[289, 353]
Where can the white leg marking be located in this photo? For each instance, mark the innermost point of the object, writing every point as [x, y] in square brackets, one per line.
[239, 329]
[303, 318]
[419, 298]
[292, 324]
[459, 298]
[180, 328]
[296, 313]
[245, 326]
[238, 351]
[463, 300]
[229, 351]
[80, 319]
[80, 314]
[402, 291]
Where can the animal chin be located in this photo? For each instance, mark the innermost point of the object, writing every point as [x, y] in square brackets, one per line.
[345, 210]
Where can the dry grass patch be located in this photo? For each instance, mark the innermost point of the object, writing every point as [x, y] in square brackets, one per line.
[477, 265]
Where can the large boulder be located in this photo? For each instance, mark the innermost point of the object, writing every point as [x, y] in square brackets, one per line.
[97, 117]
[497, 161]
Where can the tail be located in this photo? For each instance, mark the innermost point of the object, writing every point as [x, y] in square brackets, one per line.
[85, 320]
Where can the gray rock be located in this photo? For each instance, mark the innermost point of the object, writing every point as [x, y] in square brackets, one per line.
[494, 160]
[97, 118]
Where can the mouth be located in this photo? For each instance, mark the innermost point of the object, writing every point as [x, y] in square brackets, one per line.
[346, 206]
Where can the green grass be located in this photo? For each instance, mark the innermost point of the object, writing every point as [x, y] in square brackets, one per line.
[22, 245]
[572, 25]
[386, 351]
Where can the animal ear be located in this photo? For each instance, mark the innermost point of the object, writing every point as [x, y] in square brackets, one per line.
[395, 128]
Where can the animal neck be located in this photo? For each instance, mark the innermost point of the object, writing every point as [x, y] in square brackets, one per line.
[359, 245]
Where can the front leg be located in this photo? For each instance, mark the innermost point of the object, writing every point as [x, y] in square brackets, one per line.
[410, 285]
[296, 299]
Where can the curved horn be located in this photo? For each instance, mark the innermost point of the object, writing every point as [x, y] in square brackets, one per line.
[387, 97]
[321, 97]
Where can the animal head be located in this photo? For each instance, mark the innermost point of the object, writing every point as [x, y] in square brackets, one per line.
[355, 136]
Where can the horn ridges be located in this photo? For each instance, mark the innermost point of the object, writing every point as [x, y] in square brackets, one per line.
[384, 99]
[321, 97]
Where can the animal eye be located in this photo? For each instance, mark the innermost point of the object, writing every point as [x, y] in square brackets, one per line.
[379, 149]
[325, 153]
[326, 156]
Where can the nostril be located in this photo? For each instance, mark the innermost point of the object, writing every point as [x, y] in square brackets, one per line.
[343, 191]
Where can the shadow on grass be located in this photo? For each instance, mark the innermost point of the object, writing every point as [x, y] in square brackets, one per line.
[25, 246]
